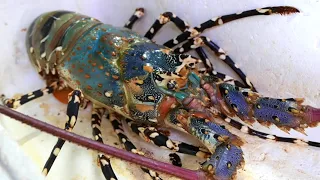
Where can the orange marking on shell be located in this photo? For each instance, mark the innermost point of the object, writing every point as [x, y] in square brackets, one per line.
[89, 47]
[100, 67]
[62, 95]
[89, 87]
[100, 85]
[107, 74]
[144, 108]
[94, 64]
[115, 77]
[87, 76]
[73, 53]
[148, 69]
[73, 66]
[79, 48]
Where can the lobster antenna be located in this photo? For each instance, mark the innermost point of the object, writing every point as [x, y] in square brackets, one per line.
[103, 148]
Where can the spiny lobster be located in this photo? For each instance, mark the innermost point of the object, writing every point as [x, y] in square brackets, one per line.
[153, 86]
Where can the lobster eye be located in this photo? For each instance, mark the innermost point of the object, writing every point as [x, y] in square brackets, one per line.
[171, 85]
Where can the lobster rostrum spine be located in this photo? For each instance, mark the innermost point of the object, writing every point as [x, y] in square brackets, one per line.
[127, 73]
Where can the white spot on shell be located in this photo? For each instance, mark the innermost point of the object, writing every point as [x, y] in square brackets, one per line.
[244, 129]
[169, 144]
[175, 41]
[220, 22]
[108, 94]
[222, 57]
[76, 99]
[73, 121]
[262, 10]
[154, 135]
[271, 137]
[104, 162]
[151, 30]
[44, 39]
[181, 50]
[228, 120]
[31, 50]
[56, 151]
[43, 55]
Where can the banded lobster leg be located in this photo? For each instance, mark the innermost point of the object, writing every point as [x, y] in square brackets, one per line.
[128, 145]
[197, 42]
[19, 101]
[183, 26]
[104, 160]
[216, 21]
[75, 98]
[158, 138]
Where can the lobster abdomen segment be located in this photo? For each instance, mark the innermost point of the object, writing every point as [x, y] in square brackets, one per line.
[52, 35]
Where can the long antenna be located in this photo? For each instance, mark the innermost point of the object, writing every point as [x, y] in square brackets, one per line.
[91, 144]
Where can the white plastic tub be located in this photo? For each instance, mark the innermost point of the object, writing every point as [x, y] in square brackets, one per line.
[280, 55]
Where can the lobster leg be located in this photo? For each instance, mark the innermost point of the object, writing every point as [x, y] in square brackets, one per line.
[183, 26]
[216, 21]
[16, 102]
[104, 160]
[204, 41]
[161, 140]
[75, 98]
[129, 146]
[164, 19]
[139, 12]
[246, 129]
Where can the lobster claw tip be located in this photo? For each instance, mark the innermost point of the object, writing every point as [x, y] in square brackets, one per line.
[224, 162]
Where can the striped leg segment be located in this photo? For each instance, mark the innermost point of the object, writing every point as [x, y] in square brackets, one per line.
[161, 140]
[183, 26]
[216, 21]
[139, 12]
[16, 102]
[219, 77]
[204, 41]
[104, 160]
[128, 145]
[75, 98]
[262, 135]
[164, 19]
